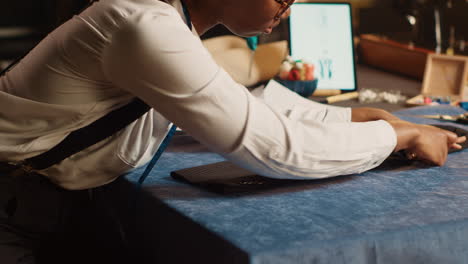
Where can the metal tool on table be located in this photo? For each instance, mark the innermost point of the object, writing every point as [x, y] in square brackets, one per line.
[252, 43]
[462, 118]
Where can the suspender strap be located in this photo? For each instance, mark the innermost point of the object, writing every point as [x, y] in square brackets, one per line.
[89, 135]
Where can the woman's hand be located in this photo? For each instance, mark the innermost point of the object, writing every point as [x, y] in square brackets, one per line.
[426, 143]
[366, 114]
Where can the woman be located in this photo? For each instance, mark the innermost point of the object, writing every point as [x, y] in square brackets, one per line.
[117, 50]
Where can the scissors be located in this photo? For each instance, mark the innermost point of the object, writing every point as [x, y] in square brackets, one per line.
[462, 118]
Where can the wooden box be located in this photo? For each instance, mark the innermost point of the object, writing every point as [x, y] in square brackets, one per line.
[393, 56]
[444, 77]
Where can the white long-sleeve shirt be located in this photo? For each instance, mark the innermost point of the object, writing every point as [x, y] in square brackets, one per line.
[118, 49]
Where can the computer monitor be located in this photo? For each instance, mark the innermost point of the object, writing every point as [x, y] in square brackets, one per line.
[322, 34]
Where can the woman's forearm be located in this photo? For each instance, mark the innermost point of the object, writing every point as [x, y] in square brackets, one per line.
[365, 114]
[407, 134]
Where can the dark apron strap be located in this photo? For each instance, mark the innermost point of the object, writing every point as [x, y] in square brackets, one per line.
[84, 137]
[89, 135]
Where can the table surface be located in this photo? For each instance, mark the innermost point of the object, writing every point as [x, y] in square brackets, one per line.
[376, 80]
[400, 212]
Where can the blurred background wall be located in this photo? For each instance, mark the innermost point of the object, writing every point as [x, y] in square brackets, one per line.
[402, 20]
[24, 22]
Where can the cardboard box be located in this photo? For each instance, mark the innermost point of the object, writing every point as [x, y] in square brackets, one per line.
[445, 77]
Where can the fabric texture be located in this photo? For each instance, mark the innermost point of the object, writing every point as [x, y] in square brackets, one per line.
[401, 212]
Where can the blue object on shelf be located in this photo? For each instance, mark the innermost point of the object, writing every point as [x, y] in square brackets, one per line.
[303, 88]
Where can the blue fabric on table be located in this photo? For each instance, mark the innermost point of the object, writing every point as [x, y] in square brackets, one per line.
[400, 212]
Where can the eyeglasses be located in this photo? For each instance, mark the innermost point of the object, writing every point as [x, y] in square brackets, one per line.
[285, 4]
